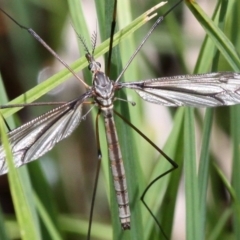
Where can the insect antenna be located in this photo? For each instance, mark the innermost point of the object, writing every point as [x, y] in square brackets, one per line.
[83, 41]
[94, 41]
[40, 40]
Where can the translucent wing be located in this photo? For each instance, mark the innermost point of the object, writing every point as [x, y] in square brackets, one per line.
[33, 139]
[200, 90]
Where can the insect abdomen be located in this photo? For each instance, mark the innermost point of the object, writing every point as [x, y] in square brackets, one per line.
[118, 171]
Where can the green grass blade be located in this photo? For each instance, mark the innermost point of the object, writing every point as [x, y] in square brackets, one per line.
[128, 152]
[3, 232]
[21, 180]
[191, 180]
[166, 188]
[26, 220]
[77, 226]
[217, 231]
[235, 208]
[208, 48]
[235, 116]
[204, 62]
[235, 121]
[12, 228]
[219, 38]
[127, 136]
[203, 172]
[81, 28]
[54, 233]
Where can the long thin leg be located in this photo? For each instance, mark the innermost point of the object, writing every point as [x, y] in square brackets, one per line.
[96, 178]
[174, 166]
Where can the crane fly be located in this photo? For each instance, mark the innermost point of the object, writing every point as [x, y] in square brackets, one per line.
[34, 138]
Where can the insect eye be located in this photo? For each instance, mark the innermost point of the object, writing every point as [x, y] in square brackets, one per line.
[99, 64]
[90, 66]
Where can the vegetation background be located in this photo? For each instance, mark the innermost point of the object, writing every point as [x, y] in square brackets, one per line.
[199, 200]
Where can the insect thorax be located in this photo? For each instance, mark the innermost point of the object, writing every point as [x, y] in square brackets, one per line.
[103, 88]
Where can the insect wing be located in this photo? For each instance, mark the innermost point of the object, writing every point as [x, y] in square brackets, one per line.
[200, 90]
[33, 139]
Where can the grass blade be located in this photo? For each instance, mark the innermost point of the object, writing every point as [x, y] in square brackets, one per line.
[219, 38]
[27, 223]
[191, 180]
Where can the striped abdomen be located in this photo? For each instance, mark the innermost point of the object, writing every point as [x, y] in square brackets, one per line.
[117, 167]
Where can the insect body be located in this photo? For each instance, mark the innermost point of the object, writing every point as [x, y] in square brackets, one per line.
[35, 138]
